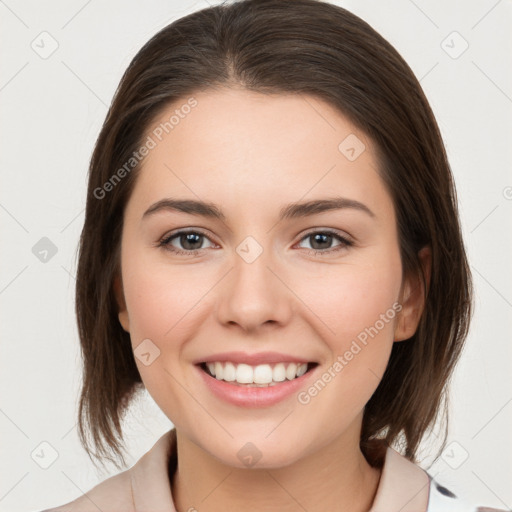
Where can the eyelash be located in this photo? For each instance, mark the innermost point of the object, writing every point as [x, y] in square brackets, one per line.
[165, 242]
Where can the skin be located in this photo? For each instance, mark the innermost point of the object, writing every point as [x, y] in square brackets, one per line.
[251, 154]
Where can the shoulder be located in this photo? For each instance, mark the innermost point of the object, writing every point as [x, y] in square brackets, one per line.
[145, 486]
[109, 495]
[405, 486]
[442, 499]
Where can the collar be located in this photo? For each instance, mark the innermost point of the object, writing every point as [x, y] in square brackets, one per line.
[403, 486]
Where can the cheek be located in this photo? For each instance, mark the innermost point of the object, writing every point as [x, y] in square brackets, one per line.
[163, 303]
[167, 304]
[351, 298]
[359, 308]
[159, 294]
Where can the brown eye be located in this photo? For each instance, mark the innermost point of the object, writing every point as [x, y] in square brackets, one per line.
[184, 242]
[321, 241]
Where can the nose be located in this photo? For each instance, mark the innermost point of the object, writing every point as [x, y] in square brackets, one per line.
[254, 294]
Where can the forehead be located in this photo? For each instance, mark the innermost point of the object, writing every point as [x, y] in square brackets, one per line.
[240, 146]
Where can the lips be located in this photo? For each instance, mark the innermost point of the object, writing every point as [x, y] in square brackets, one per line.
[262, 368]
[255, 395]
[259, 389]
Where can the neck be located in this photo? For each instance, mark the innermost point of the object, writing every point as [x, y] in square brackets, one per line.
[337, 477]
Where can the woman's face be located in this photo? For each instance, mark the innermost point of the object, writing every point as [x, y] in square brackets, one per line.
[263, 275]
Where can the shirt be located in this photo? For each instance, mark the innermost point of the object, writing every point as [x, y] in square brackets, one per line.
[146, 487]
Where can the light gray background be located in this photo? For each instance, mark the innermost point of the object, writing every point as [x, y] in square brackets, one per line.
[52, 110]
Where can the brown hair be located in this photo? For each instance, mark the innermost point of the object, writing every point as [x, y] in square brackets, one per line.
[283, 46]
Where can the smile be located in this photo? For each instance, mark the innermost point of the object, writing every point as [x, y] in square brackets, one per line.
[262, 375]
[250, 393]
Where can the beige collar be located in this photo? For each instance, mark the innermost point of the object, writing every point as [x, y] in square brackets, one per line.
[151, 489]
[403, 486]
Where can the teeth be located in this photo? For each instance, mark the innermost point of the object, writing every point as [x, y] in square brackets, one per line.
[229, 372]
[279, 372]
[219, 371]
[244, 374]
[301, 370]
[291, 372]
[260, 375]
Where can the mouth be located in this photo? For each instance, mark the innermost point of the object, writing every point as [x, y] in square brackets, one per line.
[263, 375]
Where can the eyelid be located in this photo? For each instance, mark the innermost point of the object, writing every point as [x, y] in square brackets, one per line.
[346, 242]
[183, 231]
[342, 234]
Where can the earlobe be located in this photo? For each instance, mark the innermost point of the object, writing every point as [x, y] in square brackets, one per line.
[121, 304]
[413, 298]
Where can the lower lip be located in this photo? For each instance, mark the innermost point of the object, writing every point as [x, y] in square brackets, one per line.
[244, 396]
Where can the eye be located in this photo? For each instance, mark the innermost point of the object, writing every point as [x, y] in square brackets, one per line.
[322, 239]
[190, 241]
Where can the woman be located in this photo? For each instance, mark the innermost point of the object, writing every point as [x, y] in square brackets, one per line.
[272, 249]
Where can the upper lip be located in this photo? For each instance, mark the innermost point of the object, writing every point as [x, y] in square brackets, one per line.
[253, 359]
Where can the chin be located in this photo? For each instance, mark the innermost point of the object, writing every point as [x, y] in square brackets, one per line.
[260, 451]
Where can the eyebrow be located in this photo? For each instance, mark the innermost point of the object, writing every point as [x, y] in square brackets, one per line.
[290, 211]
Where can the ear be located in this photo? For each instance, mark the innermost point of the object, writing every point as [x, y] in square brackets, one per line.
[121, 303]
[412, 298]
